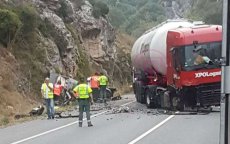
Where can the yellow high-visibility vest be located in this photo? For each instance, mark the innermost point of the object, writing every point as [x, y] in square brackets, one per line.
[83, 90]
[103, 80]
[47, 93]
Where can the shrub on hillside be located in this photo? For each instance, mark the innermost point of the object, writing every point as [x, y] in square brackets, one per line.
[9, 25]
[63, 10]
[100, 9]
[29, 19]
[92, 2]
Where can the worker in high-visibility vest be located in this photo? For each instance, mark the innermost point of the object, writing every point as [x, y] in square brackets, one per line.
[57, 91]
[94, 84]
[85, 98]
[103, 81]
[47, 93]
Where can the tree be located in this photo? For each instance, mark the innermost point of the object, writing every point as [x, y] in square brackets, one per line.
[210, 11]
[28, 17]
[117, 17]
[100, 9]
[9, 25]
[63, 10]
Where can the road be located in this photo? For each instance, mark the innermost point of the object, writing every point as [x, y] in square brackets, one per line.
[139, 126]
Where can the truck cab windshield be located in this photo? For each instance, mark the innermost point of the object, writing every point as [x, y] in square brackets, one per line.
[201, 56]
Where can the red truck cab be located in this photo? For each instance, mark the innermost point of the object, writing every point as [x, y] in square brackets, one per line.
[194, 83]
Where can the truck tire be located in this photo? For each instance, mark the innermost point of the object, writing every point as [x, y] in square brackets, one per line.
[137, 91]
[134, 88]
[140, 92]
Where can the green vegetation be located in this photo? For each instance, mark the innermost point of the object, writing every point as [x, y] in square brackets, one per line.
[45, 28]
[4, 121]
[25, 45]
[9, 25]
[29, 18]
[82, 61]
[62, 11]
[209, 11]
[99, 8]
[134, 16]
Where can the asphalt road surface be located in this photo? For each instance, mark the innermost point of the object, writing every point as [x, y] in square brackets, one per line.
[138, 126]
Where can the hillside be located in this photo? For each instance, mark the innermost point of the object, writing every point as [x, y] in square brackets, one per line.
[135, 16]
[210, 11]
[61, 36]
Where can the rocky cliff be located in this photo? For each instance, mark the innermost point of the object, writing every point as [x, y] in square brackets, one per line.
[177, 8]
[60, 36]
[79, 37]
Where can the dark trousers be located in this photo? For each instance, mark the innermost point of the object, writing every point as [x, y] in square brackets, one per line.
[84, 106]
[95, 93]
[56, 99]
[103, 92]
[50, 107]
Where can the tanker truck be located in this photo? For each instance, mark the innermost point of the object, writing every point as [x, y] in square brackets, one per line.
[165, 71]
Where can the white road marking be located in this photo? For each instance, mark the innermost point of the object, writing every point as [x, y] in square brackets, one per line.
[151, 130]
[62, 127]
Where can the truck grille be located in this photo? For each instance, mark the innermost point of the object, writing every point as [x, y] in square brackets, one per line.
[209, 94]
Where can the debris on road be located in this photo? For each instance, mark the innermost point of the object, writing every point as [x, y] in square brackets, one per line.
[19, 116]
[66, 115]
[37, 111]
[120, 110]
[117, 97]
[96, 107]
[123, 109]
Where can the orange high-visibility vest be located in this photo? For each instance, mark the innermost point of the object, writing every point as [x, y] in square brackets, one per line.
[57, 89]
[94, 82]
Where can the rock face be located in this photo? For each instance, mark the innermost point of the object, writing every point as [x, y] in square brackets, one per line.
[63, 51]
[77, 34]
[177, 8]
[78, 38]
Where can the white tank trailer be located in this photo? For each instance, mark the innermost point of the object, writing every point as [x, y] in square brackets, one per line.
[149, 51]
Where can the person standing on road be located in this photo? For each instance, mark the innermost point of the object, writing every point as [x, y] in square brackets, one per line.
[47, 93]
[103, 81]
[94, 84]
[85, 98]
[57, 91]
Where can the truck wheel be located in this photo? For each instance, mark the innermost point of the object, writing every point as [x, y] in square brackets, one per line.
[137, 93]
[134, 88]
[181, 106]
[142, 99]
[140, 93]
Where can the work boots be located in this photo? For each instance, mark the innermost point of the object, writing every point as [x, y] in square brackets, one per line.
[90, 124]
[80, 124]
